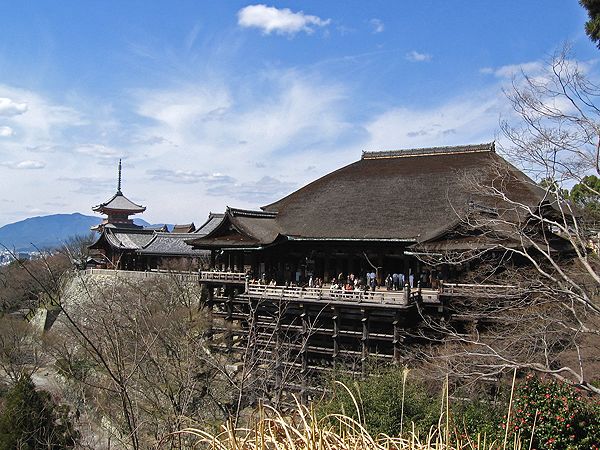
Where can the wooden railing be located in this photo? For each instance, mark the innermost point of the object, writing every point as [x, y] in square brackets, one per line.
[138, 275]
[357, 296]
[228, 277]
[479, 290]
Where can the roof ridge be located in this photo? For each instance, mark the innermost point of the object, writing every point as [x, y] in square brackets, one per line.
[429, 151]
[250, 213]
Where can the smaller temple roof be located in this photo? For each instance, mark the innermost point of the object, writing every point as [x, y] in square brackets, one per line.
[239, 228]
[148, 242]
[214, 219]
[172, 244]
[184, 228]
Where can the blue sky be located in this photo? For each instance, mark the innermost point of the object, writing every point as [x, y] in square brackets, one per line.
[215, 103]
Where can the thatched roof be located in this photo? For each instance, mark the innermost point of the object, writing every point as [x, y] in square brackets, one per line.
[401, 195]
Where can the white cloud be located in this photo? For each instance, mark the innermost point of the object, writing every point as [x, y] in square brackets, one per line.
[377, 25]
[98, 150]
[24, 165]
[6, 131]
[508, 71]
[461, 121]
[9, 107]
[415, 56]
[281, 21]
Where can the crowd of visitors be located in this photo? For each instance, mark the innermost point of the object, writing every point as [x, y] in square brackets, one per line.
[396, 281]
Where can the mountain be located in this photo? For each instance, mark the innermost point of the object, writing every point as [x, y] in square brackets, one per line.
[48, 231]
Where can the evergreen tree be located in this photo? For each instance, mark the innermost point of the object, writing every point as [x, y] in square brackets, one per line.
[30, 420]
[592, 26]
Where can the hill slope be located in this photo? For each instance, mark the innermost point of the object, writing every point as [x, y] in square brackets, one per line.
[47, 231]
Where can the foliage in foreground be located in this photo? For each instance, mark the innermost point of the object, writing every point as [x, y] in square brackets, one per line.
[556, 415]
[303, 429]
[387, 403]
[30, 420]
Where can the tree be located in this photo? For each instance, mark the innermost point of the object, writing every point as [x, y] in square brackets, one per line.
[551, 321]
[586, 194]
[31, 420]
[19, 349]
[592, 26]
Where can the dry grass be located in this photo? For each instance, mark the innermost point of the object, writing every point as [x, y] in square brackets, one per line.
[303, 430]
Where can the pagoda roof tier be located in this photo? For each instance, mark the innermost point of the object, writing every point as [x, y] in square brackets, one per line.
[119, 203]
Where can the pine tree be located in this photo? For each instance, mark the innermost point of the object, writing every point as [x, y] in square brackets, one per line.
[30, 420]
[592, 26]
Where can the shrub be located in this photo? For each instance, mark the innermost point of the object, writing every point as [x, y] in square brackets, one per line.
[564, 419]
[30, 420]
[380, 402]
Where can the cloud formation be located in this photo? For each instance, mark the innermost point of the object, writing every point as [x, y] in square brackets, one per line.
[6, 131]
[98, 150]
[415, 56]
[531, 68]
[24, 165]
[377, 25]
[280, 21]
[10, 108]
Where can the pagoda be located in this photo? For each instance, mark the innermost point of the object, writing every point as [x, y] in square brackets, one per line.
[118, 209]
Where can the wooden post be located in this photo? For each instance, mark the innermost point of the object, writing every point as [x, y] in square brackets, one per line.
[336, 336]
[229, 320]
[397, 337]
[209, 309]
[364, 340]
[278, 365]
[304, 353]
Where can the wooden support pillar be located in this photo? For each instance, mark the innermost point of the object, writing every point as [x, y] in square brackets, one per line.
[398, 338]
[364, 340]
[210, 302]
[229, 320]
[336, 336]
[304, 353]
[278, 356]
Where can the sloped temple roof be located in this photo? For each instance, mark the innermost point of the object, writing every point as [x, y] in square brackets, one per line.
[149, 242]
[119, 202]
[402, 195]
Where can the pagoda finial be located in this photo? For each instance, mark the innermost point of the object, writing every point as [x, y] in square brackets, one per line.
[119, 182]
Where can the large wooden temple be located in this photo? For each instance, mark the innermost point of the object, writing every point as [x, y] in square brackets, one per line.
[308, 282]
[374, 215]
[340, 271]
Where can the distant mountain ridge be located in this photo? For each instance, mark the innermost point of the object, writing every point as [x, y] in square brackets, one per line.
[48, 231]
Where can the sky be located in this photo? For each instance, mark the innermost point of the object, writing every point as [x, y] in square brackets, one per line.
[214, 103]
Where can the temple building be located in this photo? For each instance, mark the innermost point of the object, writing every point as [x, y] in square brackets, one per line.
[118, 208]
[124, 245]
[377, 214]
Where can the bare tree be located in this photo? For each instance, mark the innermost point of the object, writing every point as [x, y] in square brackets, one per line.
[551, 321]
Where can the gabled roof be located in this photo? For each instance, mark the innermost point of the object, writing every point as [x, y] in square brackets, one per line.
[169, 244]
[240, 228]
[149, 242]
[119, 202]
[184, 228]
[124, 239]
[213, 221]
